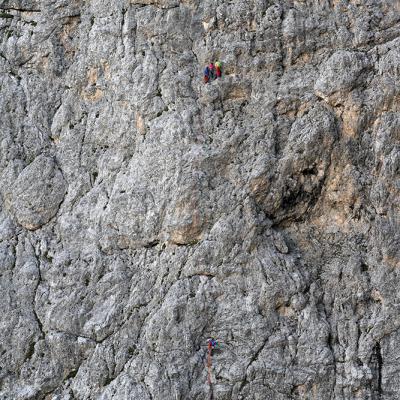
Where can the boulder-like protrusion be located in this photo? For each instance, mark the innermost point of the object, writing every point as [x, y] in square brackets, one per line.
[132, 217]
[37, 193]
[186, 219]
[302, 170]
[340, 74]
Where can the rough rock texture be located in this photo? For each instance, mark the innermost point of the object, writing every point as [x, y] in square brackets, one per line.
[142, 211]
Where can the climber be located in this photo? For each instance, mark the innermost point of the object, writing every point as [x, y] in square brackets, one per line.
[211, 343]
[212, 71]
[206, 74]
[218, 69]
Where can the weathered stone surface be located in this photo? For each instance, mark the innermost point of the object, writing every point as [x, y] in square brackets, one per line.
[340, 74]
[142, 211]
[36, 195]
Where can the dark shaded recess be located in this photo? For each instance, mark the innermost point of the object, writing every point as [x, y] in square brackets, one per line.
[12, 73]
[132, 350]
[310, 171]
[71, 374]
[364, 267]
[30, 351]
[293, 198]
[151, 244]
[19, 9]
[376, 369]
[191, 243]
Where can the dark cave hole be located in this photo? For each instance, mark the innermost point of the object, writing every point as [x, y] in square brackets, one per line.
[364, 267]
[310, 171]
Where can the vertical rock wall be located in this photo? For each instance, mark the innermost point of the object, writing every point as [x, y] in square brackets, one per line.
[142, 211]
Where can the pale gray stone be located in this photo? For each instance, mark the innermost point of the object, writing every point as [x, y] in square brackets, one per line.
[142, 211]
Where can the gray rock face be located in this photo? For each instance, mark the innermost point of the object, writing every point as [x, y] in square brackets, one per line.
[340, 74]
[36, 194]
[142, 211]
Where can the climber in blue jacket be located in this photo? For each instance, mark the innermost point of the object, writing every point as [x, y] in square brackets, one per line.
[206, 74]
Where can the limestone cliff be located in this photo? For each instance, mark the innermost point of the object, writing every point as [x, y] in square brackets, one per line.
[142, 211]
